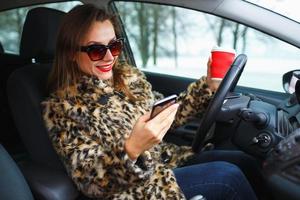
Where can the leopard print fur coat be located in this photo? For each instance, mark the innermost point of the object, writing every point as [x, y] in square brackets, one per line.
[88, 128]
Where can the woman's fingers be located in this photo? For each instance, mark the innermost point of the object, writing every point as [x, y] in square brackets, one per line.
[147, 133]
[161, 122]
[164, 120]
[168, 120]
[163, 132]
[208, 66]
[145, 117]
[166, 124]
[165, 113]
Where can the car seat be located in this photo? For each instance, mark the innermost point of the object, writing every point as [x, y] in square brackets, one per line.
[9, 138]
[26, 88]
[12, 182]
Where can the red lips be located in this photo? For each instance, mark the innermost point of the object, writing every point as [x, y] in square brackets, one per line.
[104, 69]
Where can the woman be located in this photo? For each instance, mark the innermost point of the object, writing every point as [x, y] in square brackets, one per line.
[98, 120]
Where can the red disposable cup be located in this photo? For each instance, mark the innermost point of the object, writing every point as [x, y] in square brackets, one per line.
[221, 60]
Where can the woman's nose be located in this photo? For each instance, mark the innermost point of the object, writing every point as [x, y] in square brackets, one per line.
[108, 56]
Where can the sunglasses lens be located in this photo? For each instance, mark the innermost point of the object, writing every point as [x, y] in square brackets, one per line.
[116, 47]
[97, 53]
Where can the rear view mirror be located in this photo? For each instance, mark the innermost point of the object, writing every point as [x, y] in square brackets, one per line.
[289, 81]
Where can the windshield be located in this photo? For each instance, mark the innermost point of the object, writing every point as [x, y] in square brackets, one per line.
[288, 8]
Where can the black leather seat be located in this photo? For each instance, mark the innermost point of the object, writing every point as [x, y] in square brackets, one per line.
[12, 182]
[9, 138]
[37, 32]
[26, 89]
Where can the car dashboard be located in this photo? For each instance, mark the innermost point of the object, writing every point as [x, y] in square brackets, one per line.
[269, 132]
[266, 131]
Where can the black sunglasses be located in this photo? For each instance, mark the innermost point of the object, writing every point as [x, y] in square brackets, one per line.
[98, 51]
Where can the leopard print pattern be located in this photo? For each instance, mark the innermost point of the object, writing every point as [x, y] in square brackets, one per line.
[89, 125]
[194, 101]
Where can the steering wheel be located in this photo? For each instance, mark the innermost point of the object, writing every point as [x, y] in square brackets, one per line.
[228, 84]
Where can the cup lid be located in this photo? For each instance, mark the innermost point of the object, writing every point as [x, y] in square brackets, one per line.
[223, 49]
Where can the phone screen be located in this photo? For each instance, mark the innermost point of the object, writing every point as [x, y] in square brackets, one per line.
[162, 104]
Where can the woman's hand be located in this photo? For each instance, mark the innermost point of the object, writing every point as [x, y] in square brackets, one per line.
[212, 84]
[146, 133]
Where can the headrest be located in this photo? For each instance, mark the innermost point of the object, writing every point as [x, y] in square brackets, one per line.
[39, 33]
[1, 48]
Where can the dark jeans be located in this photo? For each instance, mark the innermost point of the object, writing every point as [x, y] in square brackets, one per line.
[214, 180]
[250, 166]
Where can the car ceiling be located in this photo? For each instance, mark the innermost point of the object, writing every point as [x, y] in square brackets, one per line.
[241, 11]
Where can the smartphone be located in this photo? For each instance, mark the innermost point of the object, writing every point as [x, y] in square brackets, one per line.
[162, 104]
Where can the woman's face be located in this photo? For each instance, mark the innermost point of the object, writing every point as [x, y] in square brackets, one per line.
[100, 33]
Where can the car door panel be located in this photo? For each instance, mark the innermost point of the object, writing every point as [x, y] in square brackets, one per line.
[167, 84]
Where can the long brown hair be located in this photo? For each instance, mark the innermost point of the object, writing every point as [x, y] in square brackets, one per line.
[74, 27]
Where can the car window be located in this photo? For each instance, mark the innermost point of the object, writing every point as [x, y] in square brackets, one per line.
[12, 21]
[178, 41]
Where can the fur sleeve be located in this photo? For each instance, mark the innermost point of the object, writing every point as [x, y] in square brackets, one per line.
[193, 101]
[98, 167]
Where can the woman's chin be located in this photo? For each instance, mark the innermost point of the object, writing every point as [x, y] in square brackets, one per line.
[105, 76]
